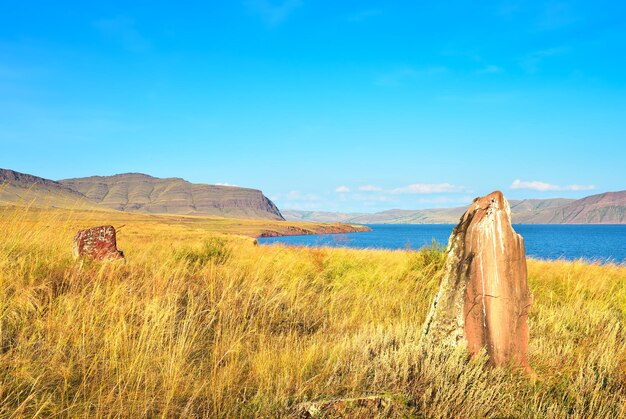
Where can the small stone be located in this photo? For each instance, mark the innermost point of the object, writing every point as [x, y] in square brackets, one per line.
[98, 243]
[483, 300]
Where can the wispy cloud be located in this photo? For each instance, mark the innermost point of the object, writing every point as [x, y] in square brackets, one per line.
[489, 69]
[273, 13]
[7, 72]
[405, 73]
[509, 8]
[499, 98]
[472, 60]
[370, 188]
[417, 195]
[300, 200]
[536, 185]
[429, 188]
[365, 197]
[444, 200]
[556, 15]
[544, 16]
[226, 184]
[363, 15]
[531, 62]
[295, 195]
[121, 29]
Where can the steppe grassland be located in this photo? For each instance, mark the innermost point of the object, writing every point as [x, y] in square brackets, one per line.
[201, 323]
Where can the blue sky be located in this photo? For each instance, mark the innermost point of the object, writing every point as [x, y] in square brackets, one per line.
[345, 106]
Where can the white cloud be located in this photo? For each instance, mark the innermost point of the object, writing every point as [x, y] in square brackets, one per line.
[273, 12]
[370, 188]
[342, 189]
[226, 184]
[428, 188]
[536, 185]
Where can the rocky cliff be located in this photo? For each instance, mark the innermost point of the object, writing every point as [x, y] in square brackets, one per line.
[136, 192]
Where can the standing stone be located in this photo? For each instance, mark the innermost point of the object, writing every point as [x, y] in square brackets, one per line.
[97, 243]
[483, 300]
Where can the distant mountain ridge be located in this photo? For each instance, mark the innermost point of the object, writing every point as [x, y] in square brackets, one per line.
[136, 192]
[321, 216]
[605, 208]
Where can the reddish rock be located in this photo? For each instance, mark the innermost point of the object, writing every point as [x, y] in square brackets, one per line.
[484, 297]
[97, 243]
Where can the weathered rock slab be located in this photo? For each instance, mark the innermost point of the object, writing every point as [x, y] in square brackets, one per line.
[98, 243]
[483, 300]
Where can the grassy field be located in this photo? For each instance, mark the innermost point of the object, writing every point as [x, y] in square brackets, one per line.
[180, 227]
[206, 324]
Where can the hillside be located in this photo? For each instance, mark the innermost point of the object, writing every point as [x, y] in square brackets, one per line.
[525, 211]
[24, 189]
[427, 216]
[536, 211]
[606, 208]
[320, 216]
[136, 192]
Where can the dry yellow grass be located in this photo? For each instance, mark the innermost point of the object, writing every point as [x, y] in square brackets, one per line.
[182, 227]
[198, 323]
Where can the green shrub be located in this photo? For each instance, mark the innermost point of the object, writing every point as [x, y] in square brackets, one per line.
[214, 250]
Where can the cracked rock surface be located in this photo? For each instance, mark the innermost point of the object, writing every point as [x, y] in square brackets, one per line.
[483, 300]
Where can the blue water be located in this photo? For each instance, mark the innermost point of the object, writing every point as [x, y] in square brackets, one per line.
[591, 242]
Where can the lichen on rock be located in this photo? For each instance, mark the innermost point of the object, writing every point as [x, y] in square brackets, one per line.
[98, 243]
[483, 300]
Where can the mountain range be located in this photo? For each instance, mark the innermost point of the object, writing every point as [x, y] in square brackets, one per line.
[605, 208]
[136, 192]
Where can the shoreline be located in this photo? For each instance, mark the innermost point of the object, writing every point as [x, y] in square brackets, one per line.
[314, 229]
